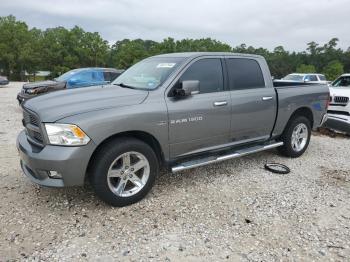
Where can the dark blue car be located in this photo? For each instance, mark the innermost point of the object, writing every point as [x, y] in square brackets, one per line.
[75, 78]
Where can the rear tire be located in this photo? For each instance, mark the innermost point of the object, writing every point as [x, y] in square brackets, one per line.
[124, 171]
[296, 137]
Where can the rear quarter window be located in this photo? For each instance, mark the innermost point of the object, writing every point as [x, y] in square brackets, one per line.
[244, 73]
[322, 77]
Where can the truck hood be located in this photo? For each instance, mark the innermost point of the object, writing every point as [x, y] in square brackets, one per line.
[57, 105]
[42, 84]
[339, 91]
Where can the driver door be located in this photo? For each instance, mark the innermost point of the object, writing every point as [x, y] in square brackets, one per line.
[200, 122]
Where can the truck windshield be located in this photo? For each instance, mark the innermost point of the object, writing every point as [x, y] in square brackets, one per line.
[342, 81]
[149, 73]
[293, 77]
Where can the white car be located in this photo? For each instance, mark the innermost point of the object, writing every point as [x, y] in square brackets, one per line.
[310, 78]
[339, 106]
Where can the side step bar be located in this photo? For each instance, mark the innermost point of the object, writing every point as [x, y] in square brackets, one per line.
[214, 159]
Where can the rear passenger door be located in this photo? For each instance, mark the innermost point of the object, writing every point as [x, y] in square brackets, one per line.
[200, 121]
[253, 102]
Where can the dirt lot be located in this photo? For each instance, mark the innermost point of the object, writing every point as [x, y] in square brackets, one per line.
[232, 211]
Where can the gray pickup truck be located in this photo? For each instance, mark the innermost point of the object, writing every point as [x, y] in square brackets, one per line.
[179, 111]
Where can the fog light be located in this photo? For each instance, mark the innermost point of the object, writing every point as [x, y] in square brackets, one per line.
[55, 174]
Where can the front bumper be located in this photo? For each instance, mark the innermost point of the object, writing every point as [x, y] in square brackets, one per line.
[21, 97]
[70, 162]
[338, 122]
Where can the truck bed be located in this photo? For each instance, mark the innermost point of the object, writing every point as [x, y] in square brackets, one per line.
[294, 95]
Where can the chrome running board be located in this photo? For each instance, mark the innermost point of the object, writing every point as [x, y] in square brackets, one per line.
[218, 158]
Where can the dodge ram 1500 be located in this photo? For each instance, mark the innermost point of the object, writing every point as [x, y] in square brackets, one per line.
[181, 111]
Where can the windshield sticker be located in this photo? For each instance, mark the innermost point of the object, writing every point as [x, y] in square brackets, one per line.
[166, 65]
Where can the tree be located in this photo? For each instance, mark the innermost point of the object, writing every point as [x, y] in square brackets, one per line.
[127, 52]
[333, 70]
[59, 49]
[306, 69]
[17, 47]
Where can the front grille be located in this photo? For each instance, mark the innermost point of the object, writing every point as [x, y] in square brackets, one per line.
[30, 119]
[341, 99]
[32, 126]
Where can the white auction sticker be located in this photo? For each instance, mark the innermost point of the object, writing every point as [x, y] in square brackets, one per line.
[166, 65]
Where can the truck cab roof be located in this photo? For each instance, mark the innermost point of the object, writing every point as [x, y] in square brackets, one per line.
[199, 54]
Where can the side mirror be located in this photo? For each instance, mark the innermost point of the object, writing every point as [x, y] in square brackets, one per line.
[188, 87]
[307, 80]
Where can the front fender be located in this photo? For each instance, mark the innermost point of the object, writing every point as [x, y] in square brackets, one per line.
[148, 117]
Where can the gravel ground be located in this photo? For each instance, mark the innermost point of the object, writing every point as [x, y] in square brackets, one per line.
[231, 211]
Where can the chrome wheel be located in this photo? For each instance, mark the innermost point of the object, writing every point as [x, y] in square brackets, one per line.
[299, 137]
[128, 174]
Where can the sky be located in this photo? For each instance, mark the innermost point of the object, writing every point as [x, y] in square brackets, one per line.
[264, 23]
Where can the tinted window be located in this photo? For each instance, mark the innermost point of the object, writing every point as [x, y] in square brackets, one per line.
[107, 76]
[244, 74]
[311, 78]
[322, 77]
[208, 72]
[342, 81]
[110, 76]
[114, 75]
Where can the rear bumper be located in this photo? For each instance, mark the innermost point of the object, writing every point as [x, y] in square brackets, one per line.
[338, 122]
[70, 162]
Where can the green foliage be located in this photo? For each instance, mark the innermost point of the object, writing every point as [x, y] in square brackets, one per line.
[59, 50]
[333, 70]
[306, 69]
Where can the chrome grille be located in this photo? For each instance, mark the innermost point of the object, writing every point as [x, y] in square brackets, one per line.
[341, 99]
[32, 126]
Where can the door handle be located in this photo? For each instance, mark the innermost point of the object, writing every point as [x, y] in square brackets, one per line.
[266, 98]
[220, 103]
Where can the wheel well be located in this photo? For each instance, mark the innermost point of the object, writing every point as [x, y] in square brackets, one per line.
[143, 136]
[304, 111]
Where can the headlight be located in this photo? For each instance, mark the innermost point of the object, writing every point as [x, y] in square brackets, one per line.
[66, 135]
[32, 91]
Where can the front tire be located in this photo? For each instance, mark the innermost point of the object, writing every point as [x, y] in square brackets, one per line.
[296, 137]
[124, 171]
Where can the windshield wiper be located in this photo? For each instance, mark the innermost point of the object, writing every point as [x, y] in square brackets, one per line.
[125, 86]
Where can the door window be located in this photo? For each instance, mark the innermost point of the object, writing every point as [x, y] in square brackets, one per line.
[209, 74]
[110, 76]
[244, 74]
[97, 76]
[311, 78]
[83, 77]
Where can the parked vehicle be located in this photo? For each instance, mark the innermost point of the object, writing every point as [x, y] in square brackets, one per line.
[81, 77]
[180, 110]
[339, 107]
[311, 78]
[4, 80]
